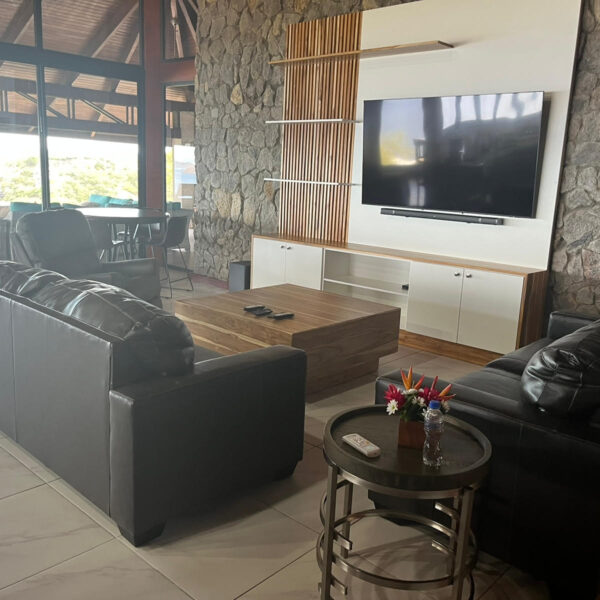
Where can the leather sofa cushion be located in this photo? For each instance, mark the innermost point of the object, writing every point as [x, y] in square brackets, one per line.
[159, 341]
[493, 381]
[22, 280]
[516, 361]
[564, 377]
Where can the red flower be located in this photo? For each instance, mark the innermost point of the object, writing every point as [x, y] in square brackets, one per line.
[393, 393]
[430, 393]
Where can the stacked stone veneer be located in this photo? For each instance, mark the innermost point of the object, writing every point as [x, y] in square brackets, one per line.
[236, 92]
[575, 276]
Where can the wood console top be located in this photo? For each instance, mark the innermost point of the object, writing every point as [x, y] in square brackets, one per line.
[408, 255]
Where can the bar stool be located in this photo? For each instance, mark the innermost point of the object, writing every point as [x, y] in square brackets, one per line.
[173, 237]
[105, 244]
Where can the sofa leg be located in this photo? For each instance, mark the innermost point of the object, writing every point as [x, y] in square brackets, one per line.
[141, 538]
[285, 472]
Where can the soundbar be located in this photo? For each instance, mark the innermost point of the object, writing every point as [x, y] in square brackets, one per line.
[400, 212]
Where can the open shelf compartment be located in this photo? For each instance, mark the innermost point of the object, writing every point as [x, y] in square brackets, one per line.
[375, 278]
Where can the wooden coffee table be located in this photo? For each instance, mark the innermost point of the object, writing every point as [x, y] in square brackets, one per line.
[343, 337]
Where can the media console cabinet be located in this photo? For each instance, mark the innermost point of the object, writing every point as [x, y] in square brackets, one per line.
[468, 309]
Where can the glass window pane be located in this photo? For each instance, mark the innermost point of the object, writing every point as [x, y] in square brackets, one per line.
[180, 19]
[107, 29]
[92, 138]
[20, 180]
[16, 22]
[180, 163]
[180, 174]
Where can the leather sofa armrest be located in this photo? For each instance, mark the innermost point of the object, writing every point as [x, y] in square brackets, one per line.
[562, 323]
[181, 444]
[132, 268]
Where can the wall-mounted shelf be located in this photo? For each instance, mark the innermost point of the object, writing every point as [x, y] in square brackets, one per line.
[331, 183]
[286, 121]
[427, 46]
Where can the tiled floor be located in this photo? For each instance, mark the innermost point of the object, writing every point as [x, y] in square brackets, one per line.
[54, 544]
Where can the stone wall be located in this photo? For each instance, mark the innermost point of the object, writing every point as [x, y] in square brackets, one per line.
[575, 275]
[236, 92]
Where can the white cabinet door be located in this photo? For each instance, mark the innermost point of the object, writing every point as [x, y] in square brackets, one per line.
[490, 310]
[268, 262]
[303, 265]
[434, 300]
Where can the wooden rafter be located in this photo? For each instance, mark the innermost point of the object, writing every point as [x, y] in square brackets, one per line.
[188, 20]
[194, 6]
[64, 124]
[177, 30]
[10, 84]
[134, 46]
[123, 9]
[19, 23]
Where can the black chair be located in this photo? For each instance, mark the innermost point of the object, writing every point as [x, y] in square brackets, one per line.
[171, 239]
[61, 240]
[105, 244]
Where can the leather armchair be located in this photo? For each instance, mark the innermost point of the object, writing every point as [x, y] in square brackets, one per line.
[61, 241]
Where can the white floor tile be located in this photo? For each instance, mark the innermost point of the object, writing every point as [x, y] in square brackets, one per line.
[39, 529]
[32, 463]
[15, 477]
[90, 509]
[108, 571]
[225, 553]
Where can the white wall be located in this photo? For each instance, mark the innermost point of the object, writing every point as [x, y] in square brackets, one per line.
[501, 46]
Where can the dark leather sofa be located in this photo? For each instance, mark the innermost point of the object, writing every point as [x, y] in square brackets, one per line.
[61, 241]
[540, 408]
[109, 392]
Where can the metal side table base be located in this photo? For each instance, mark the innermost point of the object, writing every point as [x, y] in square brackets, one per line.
[450, 534]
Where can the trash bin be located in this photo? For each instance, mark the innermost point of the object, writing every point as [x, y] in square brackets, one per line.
[239, 275]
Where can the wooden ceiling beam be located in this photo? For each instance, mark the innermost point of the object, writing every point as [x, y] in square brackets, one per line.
[123, 9]
[19, 23]
[64, 124]
[26, 86]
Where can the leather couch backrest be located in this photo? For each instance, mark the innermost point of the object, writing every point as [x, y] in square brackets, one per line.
[59, 240]
[564, 377]
[152, 340]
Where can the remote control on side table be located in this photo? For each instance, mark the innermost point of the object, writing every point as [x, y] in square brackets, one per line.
[358, 442]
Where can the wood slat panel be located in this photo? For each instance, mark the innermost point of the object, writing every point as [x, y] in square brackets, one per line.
[319, 151]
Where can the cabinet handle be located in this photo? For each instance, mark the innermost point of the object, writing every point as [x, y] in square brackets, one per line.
[457, 274]
[468, 275]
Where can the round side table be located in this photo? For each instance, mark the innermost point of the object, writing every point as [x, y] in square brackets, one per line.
[400, 472]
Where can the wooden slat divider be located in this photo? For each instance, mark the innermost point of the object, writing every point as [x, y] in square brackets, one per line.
[319, 151]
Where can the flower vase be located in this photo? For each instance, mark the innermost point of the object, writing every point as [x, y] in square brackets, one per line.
[411, 434]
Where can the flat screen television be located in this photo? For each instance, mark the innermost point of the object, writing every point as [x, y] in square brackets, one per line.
[458, 154]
